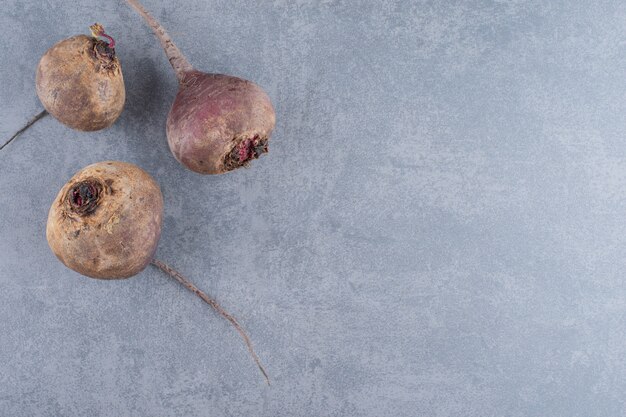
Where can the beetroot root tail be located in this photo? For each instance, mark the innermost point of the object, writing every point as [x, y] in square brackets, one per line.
[191, 287]
[178, 61]
[26, 126]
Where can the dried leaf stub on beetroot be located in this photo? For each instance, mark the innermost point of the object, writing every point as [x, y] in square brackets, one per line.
[218, 122]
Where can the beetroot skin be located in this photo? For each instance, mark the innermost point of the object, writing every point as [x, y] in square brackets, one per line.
[218, 122]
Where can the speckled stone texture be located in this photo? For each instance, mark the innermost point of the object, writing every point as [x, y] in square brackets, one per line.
[438, 230]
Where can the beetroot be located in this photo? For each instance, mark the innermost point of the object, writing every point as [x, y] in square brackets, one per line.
[79, 82]
[106, 223]
[217, 122]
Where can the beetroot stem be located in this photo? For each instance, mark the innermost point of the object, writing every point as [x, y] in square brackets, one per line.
[29, 124]
[97, 30]
[191, 287]
[176, 58]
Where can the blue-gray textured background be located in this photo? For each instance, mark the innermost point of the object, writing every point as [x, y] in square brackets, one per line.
[438, 229]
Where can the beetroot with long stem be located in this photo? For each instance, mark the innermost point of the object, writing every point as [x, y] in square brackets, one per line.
[79, 82]
[217, 122]
[106, 223]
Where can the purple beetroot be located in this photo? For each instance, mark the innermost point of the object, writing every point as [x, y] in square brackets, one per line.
[217, 122]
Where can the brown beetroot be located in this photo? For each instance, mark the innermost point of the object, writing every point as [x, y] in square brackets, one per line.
[218, 122]
[106, 222]
[79, 81]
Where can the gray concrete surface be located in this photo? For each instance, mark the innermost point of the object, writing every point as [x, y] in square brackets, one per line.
[438, 229]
